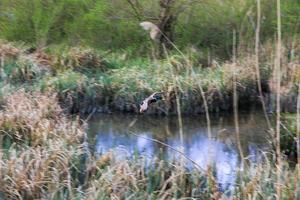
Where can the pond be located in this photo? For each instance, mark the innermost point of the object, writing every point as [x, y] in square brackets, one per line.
[129, 135]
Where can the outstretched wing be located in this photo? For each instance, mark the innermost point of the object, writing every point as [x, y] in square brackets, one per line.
[148, 26]
[149, 100]
[157, 96]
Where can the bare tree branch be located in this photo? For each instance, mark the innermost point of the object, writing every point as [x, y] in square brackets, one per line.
[135, 9]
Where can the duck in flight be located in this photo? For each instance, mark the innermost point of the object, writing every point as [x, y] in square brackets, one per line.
[156, 96]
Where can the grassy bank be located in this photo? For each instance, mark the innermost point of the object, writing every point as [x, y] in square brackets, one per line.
[44, 156]
[87, 80]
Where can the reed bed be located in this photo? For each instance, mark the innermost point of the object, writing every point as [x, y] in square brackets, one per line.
[39, 146]
[36, 118]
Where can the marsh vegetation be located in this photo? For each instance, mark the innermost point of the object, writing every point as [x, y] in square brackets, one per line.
[73, 73]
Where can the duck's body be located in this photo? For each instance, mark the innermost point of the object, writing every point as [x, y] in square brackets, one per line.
[149, 100]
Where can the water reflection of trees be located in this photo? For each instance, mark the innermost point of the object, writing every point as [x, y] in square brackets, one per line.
[166, 128]
[111, 131]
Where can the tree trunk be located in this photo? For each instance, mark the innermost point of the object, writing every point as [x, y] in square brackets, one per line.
[165, 24]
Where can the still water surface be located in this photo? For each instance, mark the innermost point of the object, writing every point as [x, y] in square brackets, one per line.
[220, 150]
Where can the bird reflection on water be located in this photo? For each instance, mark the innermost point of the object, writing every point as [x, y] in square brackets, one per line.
[111, 131]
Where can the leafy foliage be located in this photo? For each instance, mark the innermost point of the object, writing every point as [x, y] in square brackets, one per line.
[106, 24]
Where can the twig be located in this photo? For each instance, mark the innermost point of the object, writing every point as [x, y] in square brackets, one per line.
[90, 116]
[196, 165]
[136, 12]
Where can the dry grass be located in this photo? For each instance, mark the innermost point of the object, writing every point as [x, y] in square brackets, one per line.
[78, 58]
[42, 172]
[156, 179]
[143, 179]
[9, 50]
[36, 118]
[38, 146]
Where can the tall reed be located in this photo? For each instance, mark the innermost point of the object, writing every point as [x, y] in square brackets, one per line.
[278, 108]
[258, 76]
[298, 136]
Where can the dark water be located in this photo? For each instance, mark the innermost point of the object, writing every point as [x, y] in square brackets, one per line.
[220, 149]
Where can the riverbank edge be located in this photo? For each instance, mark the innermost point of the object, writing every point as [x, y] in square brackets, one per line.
[87, 82]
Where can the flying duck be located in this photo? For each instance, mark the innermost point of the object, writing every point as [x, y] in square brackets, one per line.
[149, 100]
